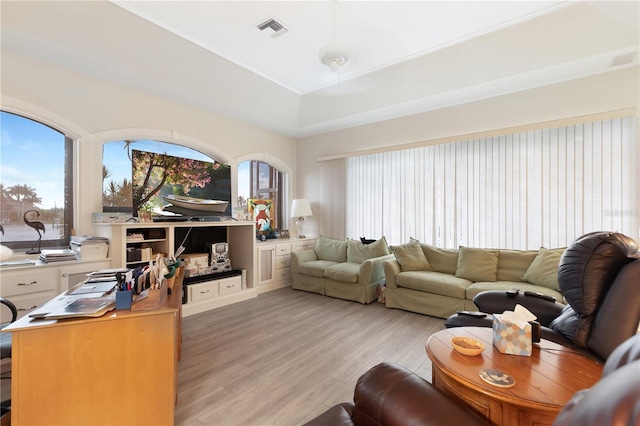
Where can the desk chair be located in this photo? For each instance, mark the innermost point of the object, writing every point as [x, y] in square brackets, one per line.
[5, 352]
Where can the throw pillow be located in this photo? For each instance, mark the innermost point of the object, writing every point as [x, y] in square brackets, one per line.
[477, 265]
[358, 252]
[411, 257]
[543, 271]
[330, 249]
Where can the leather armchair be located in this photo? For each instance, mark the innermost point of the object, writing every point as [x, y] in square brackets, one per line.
[390, 395]
[598, 276]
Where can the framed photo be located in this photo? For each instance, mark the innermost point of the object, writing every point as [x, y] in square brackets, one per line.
[262, 214]
[284, 233]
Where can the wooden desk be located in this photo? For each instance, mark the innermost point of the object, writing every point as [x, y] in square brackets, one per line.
[117, 369]
[545, 381]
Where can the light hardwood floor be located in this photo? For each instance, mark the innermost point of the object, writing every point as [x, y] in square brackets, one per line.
[286, 356]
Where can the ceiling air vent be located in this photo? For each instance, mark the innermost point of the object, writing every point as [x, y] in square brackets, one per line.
[273, 27]
[625, 59]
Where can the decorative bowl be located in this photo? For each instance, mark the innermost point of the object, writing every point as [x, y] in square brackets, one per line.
[467, 345]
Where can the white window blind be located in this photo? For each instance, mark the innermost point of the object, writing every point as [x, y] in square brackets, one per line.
[521, 191]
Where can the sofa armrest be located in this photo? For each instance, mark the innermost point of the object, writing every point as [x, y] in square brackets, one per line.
[301, 256]
[391, 269]
[371, 270]
[389, 394]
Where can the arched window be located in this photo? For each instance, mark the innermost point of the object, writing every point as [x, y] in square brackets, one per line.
[146, 174]
[258, 180]
[36, 181]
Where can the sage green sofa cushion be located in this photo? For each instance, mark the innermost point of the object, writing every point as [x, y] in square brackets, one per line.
[512, 264]
[441, 259]
[344, 272]
[315, 268]
[357, 252]
[330, 249]
[434, 283]
[411, 257]
[476, 264]
[543, 271]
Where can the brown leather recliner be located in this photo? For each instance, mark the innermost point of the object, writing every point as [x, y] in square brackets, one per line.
[391, 395]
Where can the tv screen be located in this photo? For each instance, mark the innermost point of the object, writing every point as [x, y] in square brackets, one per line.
[155, 175]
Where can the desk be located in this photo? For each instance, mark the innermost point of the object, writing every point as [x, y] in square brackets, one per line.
[545, 381]
[117, 369]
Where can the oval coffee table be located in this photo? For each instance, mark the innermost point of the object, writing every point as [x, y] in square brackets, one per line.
[544, 381]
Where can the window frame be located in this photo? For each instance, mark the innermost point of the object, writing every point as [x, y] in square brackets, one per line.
[68, 181]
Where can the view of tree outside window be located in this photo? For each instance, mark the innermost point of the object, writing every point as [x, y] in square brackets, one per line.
[34, 179]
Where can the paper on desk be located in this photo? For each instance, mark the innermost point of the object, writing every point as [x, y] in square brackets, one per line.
[520, 316]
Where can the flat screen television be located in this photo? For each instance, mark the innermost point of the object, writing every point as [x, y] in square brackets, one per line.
[155, 175]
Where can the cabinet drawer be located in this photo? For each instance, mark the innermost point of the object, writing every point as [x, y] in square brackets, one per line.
[29, 282]
[203, 291]
[283, 274]
[230, 285]
[306, 245]
[283, 262]
[27, 303]
[283, 249]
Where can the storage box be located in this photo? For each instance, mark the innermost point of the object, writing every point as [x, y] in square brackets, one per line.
[90, 251]
[510, 338]
[195, 264]
[133, 254]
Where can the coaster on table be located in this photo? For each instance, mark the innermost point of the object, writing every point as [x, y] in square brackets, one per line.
[497, 378]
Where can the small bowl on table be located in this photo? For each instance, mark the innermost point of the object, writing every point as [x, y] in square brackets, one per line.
[467, 345]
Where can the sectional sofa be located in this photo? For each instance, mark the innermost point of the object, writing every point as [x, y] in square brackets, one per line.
[439, 282]
[346, 269]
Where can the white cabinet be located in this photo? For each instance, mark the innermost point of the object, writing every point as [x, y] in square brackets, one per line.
[266, 254]
[274, 261]
[166, 237]
[28, 287]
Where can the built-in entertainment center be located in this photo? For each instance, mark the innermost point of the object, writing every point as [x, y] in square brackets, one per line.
[134, 244]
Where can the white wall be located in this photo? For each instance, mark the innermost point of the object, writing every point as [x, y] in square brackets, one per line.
[92, 108]
[601, 93]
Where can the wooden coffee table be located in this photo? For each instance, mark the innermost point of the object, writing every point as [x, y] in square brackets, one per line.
[545, 381]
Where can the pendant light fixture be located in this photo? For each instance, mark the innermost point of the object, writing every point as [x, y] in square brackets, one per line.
[334, 55]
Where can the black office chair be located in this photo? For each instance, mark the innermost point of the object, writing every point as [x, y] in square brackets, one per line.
[5, 352]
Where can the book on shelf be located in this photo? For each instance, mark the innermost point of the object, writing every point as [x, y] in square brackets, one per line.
[57, 255]
[21, 262]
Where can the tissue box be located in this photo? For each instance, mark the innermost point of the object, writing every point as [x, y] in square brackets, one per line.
[511, 339]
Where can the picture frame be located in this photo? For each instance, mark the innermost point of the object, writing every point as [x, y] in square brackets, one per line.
[262, 213]
[284, 233]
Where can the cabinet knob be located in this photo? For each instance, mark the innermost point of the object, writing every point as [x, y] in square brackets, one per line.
[31, 283]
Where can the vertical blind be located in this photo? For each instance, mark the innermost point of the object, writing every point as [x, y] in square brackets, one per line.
[520, 191]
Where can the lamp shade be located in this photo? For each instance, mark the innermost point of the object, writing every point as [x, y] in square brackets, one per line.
[301, 208]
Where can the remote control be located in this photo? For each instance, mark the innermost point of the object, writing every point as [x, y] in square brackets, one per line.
[540, 295]
[472, 314]
[513, 292]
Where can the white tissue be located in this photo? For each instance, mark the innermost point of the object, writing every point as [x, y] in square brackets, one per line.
[520, 316]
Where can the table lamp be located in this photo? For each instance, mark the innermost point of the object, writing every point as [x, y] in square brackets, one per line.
[300, 208]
